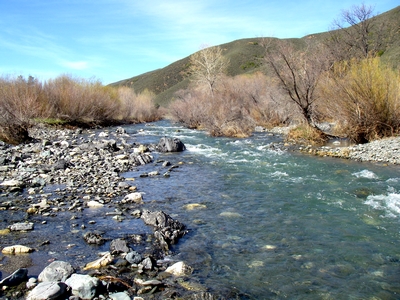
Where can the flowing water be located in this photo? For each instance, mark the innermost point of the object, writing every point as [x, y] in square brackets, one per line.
[270, 224]
[264, 223]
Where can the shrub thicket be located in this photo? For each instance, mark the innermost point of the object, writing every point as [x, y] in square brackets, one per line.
[67, 100]
[236, 106]
[363, 97]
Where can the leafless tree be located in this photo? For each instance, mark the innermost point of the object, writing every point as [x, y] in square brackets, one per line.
[208, 65]
[356, 34]
[298, 73]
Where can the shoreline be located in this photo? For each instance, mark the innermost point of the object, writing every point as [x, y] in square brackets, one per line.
[383, 151]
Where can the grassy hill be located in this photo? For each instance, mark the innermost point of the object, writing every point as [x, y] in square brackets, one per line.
[245, 56]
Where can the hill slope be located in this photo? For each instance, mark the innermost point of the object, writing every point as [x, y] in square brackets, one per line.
[245, 56]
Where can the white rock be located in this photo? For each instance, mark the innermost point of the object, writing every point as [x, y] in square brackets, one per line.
[16, 249]
[133, 198]
[179, 269]
[94, 204]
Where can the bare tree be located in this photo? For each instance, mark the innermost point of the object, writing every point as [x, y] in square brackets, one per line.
[208, 65]
[298, 73]
[356, 34]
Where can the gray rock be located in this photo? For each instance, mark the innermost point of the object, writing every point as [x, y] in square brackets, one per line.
[119, 246]
[168, 144]
[134, 257]
[15, 278]
[48, 291]
[147, 264]
[83, 286]
[56, 271]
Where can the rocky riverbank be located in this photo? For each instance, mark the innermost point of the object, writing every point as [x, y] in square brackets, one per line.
[385, 151]
[56, 191]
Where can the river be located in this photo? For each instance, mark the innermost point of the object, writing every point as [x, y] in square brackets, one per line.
[271, 224]
[263, 223]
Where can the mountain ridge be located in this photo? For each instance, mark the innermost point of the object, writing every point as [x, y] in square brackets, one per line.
[246, 57]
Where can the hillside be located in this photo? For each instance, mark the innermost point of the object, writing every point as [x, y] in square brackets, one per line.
[245, 56]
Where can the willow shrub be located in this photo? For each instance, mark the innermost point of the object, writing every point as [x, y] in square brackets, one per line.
[80, 100]
[19, 103]
[363, 97]
[235, 107]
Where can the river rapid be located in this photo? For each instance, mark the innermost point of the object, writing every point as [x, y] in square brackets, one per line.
[264, 223]
[271, 224]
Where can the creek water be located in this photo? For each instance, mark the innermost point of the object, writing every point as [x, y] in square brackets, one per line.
[265, 223]
[272, 224]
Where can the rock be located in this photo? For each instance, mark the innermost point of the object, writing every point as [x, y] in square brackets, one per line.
[61, 164]
[119, 296]
[16, 249]
[56, 271]
[32, 282]
[168, 144]
[83, 286]
[94, 204]
[153, 173]
[133, 198]
[193, 206]
[168, 230]
[12, 183]
[15, 278]
[120, 130]
[93, 238]
[179, 269]
[119, 246]
[147, 264]
[48, 290]
[101, 262]
[134, 257]
[21, 226]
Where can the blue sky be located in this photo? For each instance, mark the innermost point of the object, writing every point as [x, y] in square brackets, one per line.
[111, 40]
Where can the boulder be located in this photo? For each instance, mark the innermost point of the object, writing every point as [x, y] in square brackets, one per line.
[83, 286]
[168, 144]
[48, 290]
[15, 278]
[167, 230]
[56, 271]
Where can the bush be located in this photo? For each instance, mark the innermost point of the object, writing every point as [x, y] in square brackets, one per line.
[80, 100]
[235, 107]
[306, 134]
[19, 103]
[363, 97]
